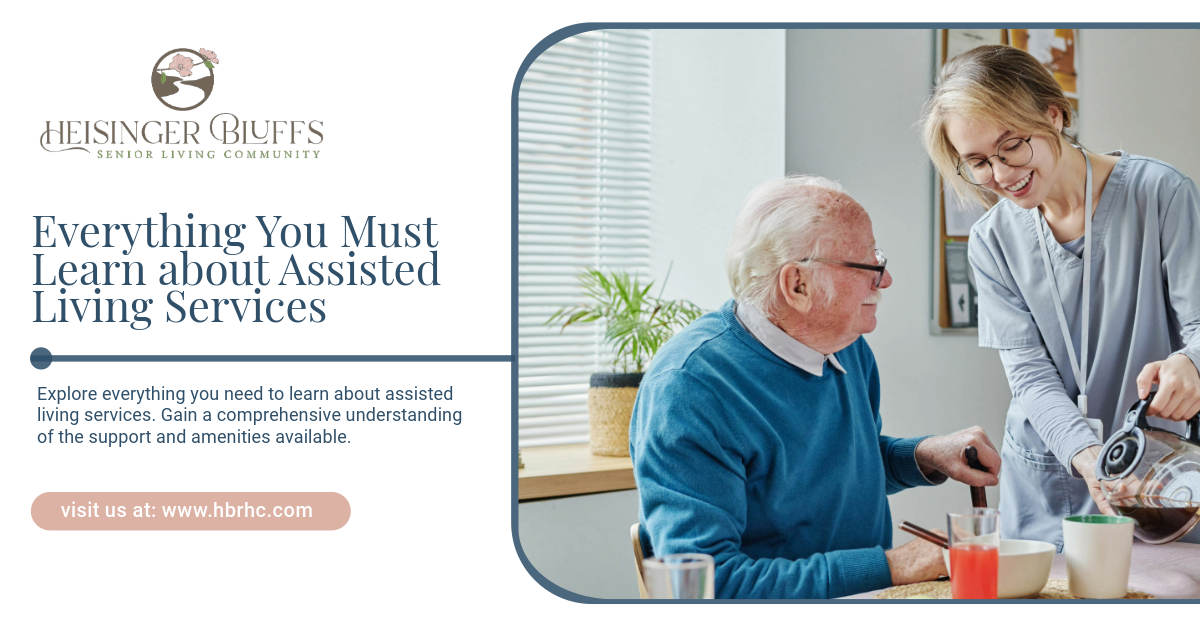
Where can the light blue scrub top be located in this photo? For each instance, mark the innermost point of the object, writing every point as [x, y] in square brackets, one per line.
[1145, 307]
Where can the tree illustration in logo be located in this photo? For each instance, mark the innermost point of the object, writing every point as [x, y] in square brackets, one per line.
[183, 78]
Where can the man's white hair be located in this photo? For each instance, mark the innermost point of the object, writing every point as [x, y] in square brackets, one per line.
[782, 222]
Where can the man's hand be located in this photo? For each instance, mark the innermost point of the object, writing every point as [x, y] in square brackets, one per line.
[945, 454]
[1178, 396]
[1085, 463]
[916, 561]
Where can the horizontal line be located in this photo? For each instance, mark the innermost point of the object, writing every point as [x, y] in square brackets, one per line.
[282, 358]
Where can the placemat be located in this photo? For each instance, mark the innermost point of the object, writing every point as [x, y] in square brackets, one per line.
[1055, 590]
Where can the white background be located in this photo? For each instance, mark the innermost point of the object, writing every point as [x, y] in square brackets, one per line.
[416, 108]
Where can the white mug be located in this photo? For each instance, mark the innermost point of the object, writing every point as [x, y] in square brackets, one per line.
[1098, 550]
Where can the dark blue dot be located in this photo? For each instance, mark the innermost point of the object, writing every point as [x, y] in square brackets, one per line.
[62, 290]
[40, 358]
[256, 291]
[351, 253]
[97, 291]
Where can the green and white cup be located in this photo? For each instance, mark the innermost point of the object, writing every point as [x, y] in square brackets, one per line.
[1098, 549]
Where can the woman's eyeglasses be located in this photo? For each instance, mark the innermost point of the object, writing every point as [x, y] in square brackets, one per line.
[1014, 153]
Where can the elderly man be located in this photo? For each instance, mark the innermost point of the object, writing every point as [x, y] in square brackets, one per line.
[756, 433]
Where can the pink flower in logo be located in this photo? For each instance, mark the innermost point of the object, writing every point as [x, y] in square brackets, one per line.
[182, 64]
[210, 55]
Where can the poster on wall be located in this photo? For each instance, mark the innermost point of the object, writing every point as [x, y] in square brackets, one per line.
[1055, 49]
[960, 215]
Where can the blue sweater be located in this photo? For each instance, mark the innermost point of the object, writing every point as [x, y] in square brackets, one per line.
[781, 476]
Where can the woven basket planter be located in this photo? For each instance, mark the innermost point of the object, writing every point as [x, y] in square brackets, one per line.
[610, 406]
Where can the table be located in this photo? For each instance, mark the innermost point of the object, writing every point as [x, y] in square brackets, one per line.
[1164, 571]
[564, 470]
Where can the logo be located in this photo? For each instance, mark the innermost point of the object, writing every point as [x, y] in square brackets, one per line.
[183, 79]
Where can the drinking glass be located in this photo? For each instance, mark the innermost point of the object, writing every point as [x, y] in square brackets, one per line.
[679, 577]
[974, 553]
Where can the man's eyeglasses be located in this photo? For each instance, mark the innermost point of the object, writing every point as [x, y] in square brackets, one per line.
[878, 269]
[1014, 153]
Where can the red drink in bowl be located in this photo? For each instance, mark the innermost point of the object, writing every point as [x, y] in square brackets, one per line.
[973, 571]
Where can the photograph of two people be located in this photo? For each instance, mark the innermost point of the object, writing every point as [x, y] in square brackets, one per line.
[875, 313]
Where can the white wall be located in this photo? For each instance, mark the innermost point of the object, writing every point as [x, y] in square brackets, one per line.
[852, 98]
[1140, 92]
[717, 132]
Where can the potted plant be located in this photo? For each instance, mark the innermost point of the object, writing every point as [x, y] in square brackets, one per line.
[637, 324]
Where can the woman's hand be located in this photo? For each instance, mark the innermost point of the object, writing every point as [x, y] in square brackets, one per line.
[1085, 463]
[945, 454]
[1178, 396]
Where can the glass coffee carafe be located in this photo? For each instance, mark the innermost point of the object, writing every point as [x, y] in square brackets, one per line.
[1153, 476]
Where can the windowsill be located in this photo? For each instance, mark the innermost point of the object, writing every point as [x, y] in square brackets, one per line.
[565, 470]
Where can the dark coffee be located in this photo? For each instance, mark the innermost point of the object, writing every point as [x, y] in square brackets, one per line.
[1160, 524]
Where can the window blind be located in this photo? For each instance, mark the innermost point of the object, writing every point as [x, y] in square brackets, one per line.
[583, 172]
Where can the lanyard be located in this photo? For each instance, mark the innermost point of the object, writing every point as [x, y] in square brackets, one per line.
[1078, 366]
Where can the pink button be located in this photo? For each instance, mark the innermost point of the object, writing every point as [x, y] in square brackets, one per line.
[190, 511]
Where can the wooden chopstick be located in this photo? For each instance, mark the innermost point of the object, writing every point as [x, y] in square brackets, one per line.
[922, 533]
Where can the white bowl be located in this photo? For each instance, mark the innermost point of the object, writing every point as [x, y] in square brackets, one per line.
[1024, 567]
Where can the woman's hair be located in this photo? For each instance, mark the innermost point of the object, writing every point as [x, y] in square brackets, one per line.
[1002, 85]
[781, 222]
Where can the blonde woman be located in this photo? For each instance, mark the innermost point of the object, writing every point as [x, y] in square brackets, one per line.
[1088, 271]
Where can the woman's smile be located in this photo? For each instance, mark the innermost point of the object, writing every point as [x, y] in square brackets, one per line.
[1020, 188]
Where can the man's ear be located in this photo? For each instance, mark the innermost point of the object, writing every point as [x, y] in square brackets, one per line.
[795, 284]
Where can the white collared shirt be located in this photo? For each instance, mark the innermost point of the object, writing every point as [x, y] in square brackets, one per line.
[781, 344]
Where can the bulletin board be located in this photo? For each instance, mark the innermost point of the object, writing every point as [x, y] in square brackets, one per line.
[954, 307]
